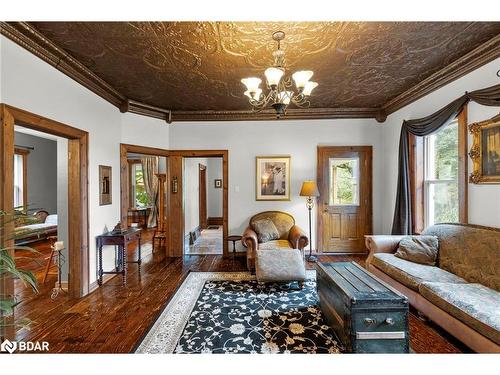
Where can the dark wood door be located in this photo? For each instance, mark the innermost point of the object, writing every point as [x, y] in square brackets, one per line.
[345, 202]
[203, 196]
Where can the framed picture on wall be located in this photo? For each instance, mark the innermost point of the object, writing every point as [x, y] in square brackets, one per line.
[485, 151]
[272, 178]
[105, 188]
[218, 183]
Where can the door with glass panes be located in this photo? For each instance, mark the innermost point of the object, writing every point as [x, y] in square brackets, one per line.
[345, 204]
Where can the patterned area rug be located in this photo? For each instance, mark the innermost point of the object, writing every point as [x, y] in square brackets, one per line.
[229, 312]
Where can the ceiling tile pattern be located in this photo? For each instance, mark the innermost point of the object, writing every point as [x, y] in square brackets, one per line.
[197, 66]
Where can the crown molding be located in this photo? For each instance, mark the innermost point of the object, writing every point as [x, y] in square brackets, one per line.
[32, 40]
[479, 56]
[291, 114]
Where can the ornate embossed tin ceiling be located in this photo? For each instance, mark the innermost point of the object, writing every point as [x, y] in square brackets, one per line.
[197, 66]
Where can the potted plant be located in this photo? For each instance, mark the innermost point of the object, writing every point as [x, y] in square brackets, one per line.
[8, 268]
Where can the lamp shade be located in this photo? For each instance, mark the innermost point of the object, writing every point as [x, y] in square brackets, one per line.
[308, 87]
[309, 189]
[273, 76]
[301, 78]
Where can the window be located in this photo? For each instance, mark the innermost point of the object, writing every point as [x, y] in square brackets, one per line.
[441, 176]
[344, 182]
[438, 175]
[138, 191]
[20, 179]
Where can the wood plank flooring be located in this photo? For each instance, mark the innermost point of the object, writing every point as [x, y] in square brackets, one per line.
[113, 319]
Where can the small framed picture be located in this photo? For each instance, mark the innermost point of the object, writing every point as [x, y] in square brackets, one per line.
[218, 183]
[105, 188]
[273, 178]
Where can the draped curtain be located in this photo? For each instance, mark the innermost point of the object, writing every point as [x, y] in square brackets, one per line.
[402, 222]
[149, 171]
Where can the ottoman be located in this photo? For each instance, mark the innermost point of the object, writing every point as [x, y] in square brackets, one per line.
[280, 265]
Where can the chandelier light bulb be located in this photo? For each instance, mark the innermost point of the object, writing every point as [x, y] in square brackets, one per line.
[309, 86]
[285, 96]
[254, 95]
[301, 78]
[273, 76]
[252, 84]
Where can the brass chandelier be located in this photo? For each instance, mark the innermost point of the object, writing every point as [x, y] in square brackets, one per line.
[281, 92]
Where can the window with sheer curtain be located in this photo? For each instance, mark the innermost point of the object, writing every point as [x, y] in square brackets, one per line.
[441, 201]
[19, 183]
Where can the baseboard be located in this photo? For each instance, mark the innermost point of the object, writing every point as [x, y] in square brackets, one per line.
[64, 285]
[215, 220]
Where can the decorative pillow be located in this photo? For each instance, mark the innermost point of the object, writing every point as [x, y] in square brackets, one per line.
[419, 249]
[266, 230]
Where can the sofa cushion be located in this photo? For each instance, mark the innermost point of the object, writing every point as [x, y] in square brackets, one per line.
[469, 251]
[412, 274]
[277, 244]
[418, 249]
[266, 230]
[473, 304]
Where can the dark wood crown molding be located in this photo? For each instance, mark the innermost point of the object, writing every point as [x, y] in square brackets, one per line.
[479, 56]
[291, 114]
[32, 40]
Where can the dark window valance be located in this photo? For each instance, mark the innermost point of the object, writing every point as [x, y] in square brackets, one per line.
[402, 222]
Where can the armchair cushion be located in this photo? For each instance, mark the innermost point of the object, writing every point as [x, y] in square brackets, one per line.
[281, 220]
[266, 230]
[275, 245]
[419, 249]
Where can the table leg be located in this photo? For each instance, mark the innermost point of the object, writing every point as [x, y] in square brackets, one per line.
[234, 246]
[139, 259]
[99, 281]
[124, 255]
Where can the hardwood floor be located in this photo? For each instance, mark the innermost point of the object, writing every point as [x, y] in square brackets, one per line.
[113, 319]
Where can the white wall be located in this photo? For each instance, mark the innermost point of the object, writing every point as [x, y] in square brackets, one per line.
[191, 190]
[484, 200]
[299, 139]
[214, 195]
[41, 171]
[29, 83]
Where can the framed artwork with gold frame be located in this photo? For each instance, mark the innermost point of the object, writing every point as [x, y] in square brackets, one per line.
[105, 196]
[485, 151]
[272, 178]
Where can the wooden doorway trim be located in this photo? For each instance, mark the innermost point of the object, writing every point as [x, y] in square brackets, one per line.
[202, 196]
[322, 150]
[176, 243]
[78, 232]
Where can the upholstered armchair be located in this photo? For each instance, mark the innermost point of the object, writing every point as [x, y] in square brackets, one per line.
[290, 235]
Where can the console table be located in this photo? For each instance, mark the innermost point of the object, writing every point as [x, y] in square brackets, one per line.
[120, 239]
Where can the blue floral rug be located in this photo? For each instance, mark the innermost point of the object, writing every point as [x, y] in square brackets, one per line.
[231, 313]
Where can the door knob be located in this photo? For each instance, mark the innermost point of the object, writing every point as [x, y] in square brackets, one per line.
[389, 321]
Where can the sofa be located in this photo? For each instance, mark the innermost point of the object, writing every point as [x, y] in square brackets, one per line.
[36, 227]
[290, 235]
[461, 292]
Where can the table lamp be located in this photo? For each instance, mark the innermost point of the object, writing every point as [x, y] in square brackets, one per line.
[310, 190]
